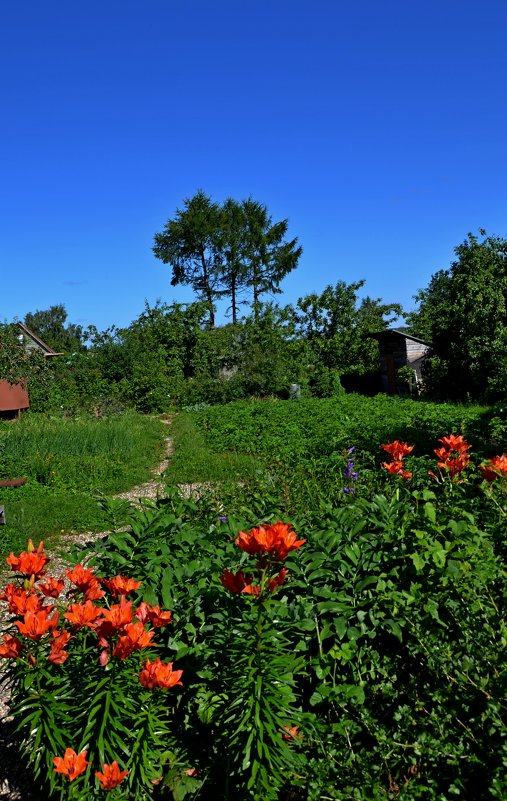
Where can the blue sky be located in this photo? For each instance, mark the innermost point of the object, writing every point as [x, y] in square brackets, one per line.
[379, 129]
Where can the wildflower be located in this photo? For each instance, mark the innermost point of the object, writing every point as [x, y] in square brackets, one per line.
[12, 647]
[398, 450]
[160, 675]
[235, 582]
[85, 580]
[81, 615]
[290, 733]
[134, 639]
[154, 615]
[397, 469]
[21, 600]
[71, 764]
[121, 585]
[36, 624]
[57, 654]
[274, 541]
[351, 473]
[29, 563]
[494, 468]
[52, 587]
[112, 776]
[453, 455]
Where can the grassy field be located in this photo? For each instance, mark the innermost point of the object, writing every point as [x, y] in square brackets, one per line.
[296, 450]
[66, 464]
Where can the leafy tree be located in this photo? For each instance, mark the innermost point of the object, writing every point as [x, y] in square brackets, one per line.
[188, 244]
[333, 325]
[463, 313]
[49, 324]
[270, 256]
[224, 250]
[232, 241]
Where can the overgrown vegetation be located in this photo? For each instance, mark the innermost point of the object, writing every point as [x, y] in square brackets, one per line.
[354, 651]
[66, 463]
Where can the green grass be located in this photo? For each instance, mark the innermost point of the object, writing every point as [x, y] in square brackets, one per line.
[194, 460]
[67, 463]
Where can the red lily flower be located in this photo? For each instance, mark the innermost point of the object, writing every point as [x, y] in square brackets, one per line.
[494, 468]
[159, 674]
[29, 563]
[154, 615]
[112, 776]
[71, 764]
[36, 624]
[12, 647]
[398, 450]
[86, 614]
[274, 541]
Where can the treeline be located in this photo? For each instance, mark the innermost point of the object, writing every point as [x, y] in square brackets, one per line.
[170, 356]
[176, 354]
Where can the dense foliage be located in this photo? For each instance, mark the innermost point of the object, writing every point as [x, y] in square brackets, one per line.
[355, 652]
[463, 313]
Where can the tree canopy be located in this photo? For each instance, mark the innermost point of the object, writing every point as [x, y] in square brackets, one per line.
[463, 313]
[233, 249]
[50, 325]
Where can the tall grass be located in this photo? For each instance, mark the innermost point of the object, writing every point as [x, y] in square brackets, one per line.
[110, 455]
[67, 463]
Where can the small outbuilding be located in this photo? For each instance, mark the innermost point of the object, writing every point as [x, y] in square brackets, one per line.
[14, 397]
[399, 349]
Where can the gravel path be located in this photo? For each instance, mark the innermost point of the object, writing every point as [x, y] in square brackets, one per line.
[14, 779]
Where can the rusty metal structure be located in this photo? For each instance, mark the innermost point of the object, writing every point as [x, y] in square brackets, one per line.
[14, 397]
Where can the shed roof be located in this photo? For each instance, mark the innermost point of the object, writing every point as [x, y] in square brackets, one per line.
[388, 333]
[40, 344]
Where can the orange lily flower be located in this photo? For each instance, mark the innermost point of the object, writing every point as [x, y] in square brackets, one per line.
[36, 624]
[12, 647]
[135, 638]
[52, 587]
[71, 764]
[278, 580]
[398, 450]
[86, 614]
[396, 469]
[21, 600]
[494, 468]
[236, 582]
[119, 615]
[121, 585]
[85, 580]
[158, 618]
[58, 654]
[112, 776]
[274, 541]
[29, 563]
[290, 733]
[159, 674]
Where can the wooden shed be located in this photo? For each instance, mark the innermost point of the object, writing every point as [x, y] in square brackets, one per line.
[14, 397]
[399, 349]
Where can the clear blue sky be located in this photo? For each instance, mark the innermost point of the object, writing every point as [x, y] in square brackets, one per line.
[378, 128]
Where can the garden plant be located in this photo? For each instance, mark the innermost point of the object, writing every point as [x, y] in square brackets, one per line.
[280, 639]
